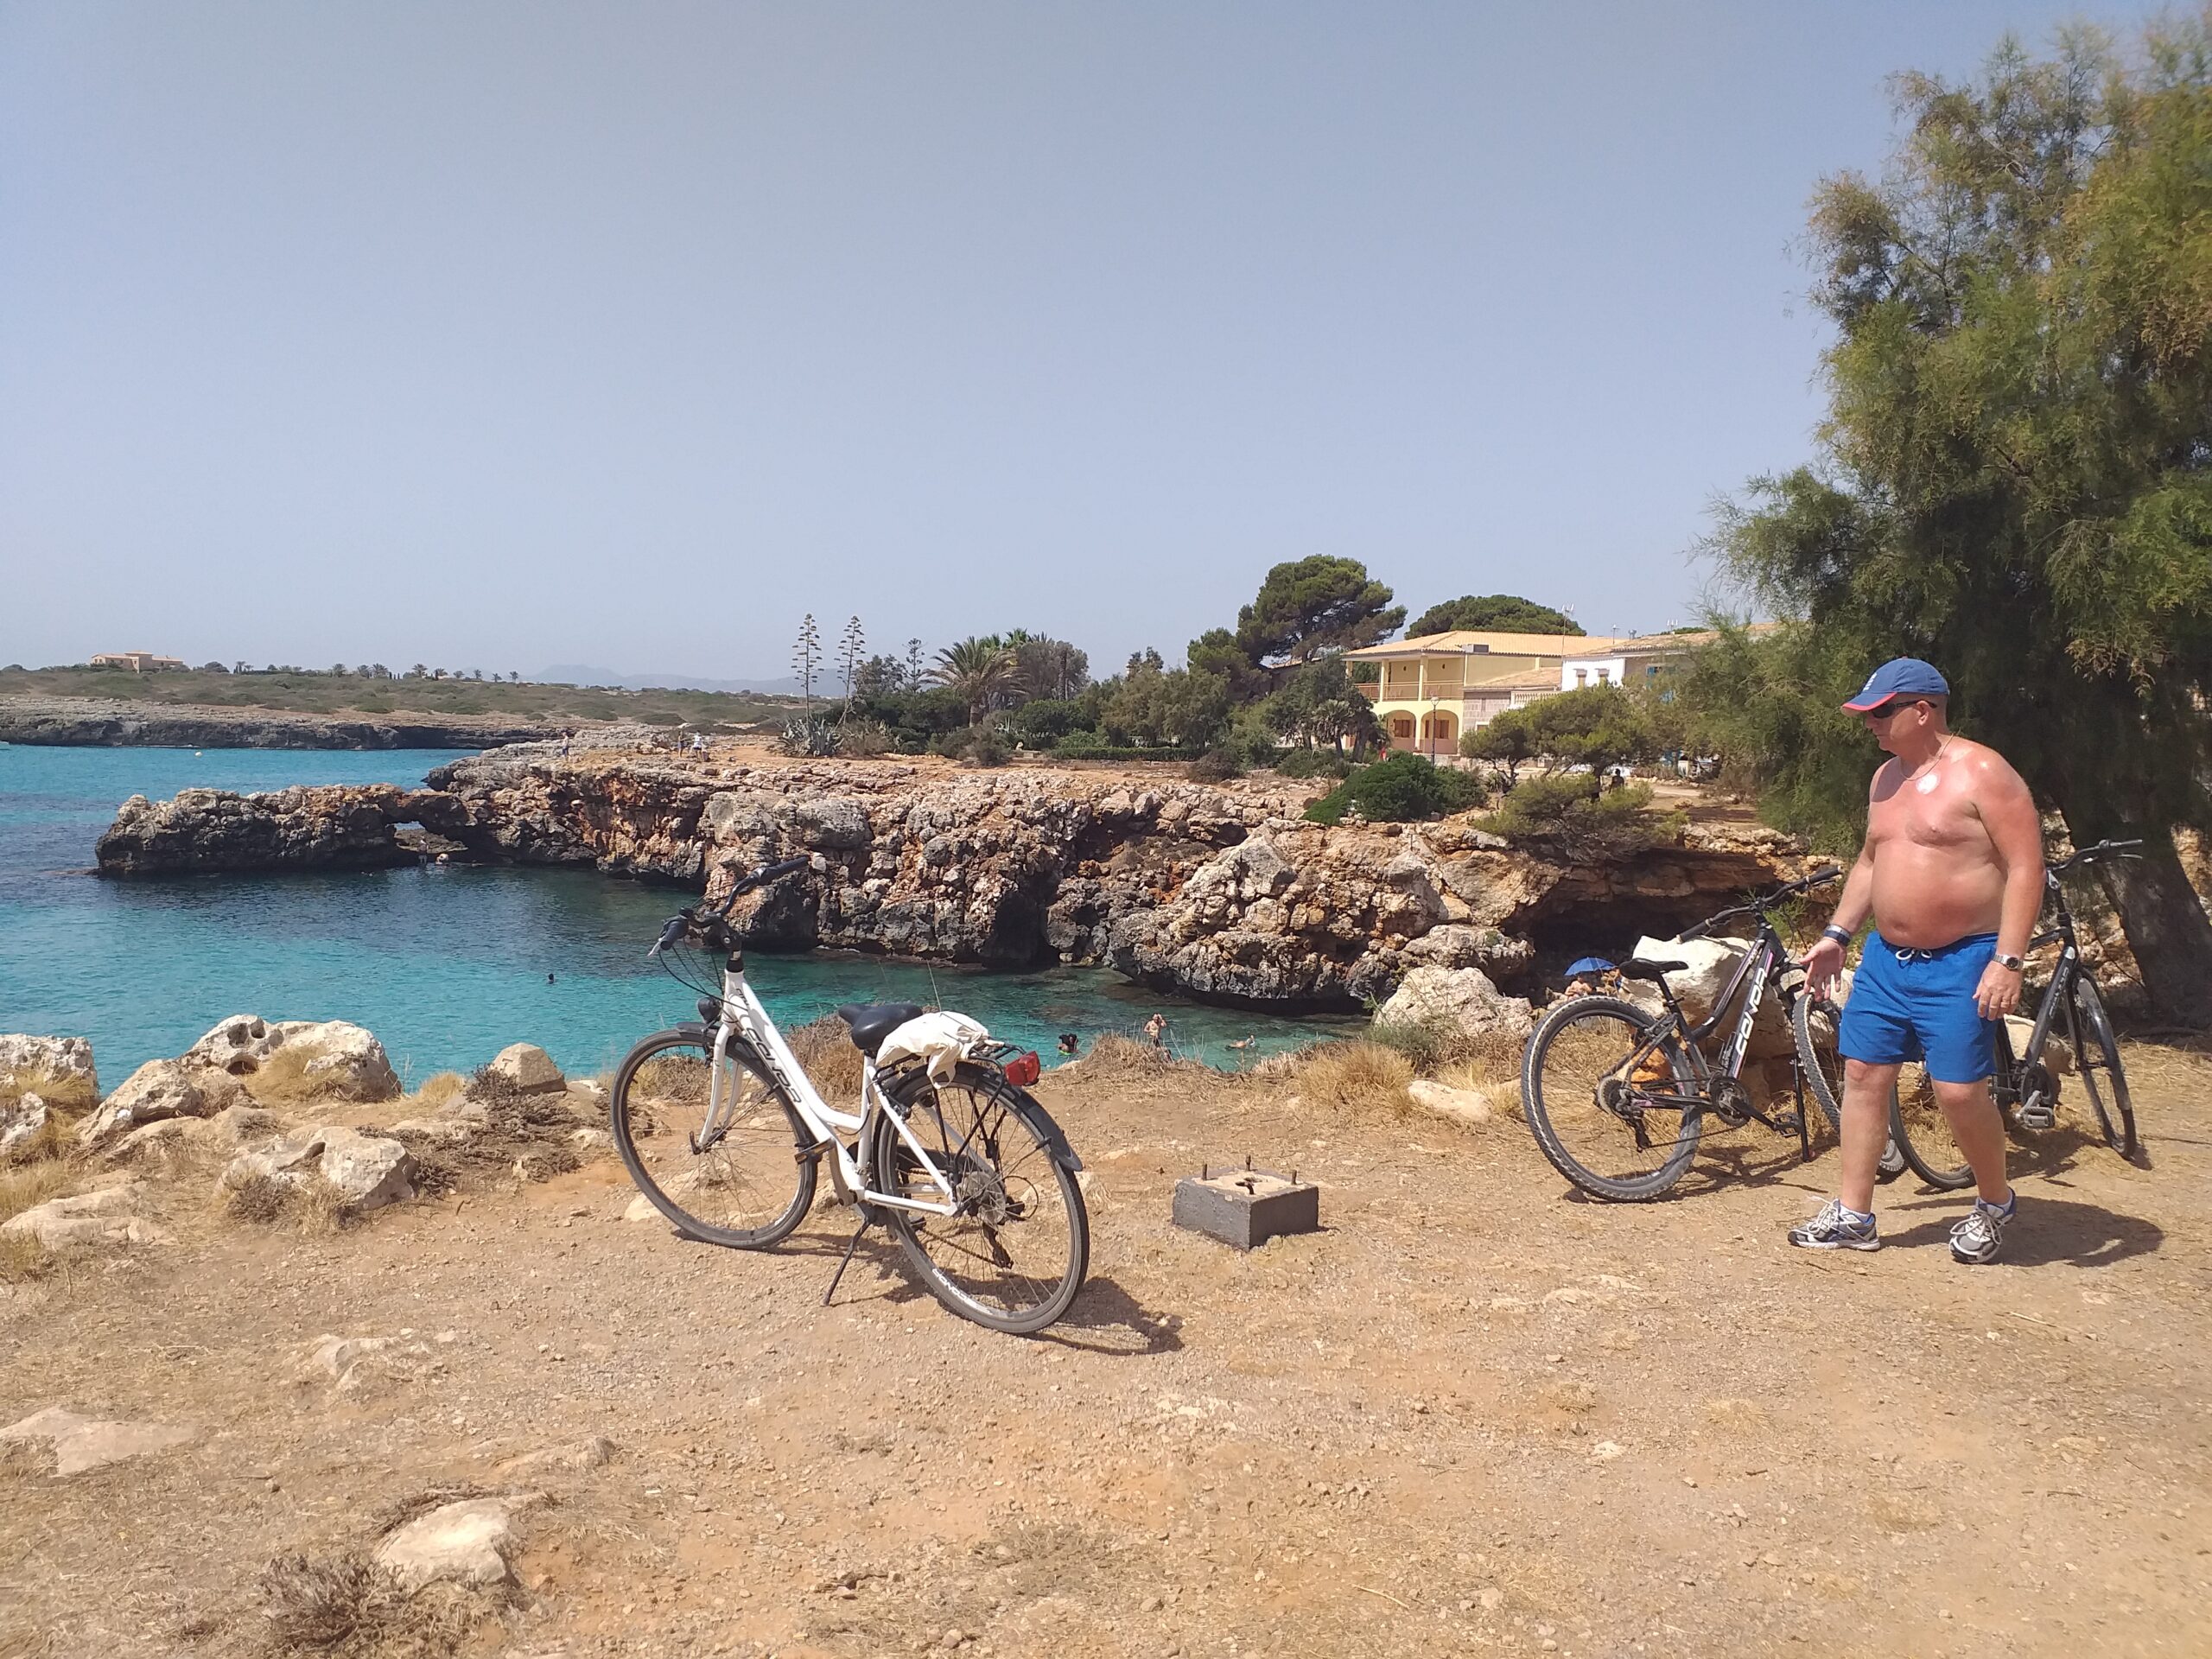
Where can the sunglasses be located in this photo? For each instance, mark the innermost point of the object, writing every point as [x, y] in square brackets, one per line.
[1893, 708]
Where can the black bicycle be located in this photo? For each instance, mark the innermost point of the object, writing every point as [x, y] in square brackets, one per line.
[1616, 1095]
[2026, 1090]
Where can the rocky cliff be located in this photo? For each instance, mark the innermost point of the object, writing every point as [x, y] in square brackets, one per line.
[114, 722]
[1218, 891]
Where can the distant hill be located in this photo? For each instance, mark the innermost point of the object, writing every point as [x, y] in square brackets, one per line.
[585, 674]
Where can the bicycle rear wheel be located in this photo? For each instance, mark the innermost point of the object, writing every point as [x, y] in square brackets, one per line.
[1923, 1133]
[1613, 1100]
[750, 1185]
[1015, 1254]
[2096, 1051]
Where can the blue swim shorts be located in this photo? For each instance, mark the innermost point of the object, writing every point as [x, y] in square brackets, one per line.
[1918, 1005]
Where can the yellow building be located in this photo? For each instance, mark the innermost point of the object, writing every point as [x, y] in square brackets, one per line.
[1433, 688]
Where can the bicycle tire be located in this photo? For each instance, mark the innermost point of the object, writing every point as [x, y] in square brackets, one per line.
[1921, 1131]
[1825, 1084]
[2091, 1023]
[747, 1160]
[1000, 1192]
[1555, 1027]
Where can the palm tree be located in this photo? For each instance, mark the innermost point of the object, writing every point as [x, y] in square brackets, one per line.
[978, 670]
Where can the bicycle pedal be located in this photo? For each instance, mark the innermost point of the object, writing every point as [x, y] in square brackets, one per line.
[1788, 1123]
[2038, 1116]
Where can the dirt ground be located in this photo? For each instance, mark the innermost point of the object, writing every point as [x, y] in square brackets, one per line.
[1472, 1415]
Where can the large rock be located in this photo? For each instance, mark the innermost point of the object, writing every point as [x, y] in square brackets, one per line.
[158, 1090]
[1469, 1108]
[370, 1171]
[1461, 1001]
[1710, 964]
[107, 1216]
[81, 1443]
[21, 1121]
[357, 1366]
[42, 1062]
[336, 1061]
[526, 1069]
[464, 1543]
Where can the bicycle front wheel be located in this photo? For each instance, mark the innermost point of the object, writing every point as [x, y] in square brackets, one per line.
[1612, 1097]
[1923, 1131]
[745, 1179]
[2097, 1056]
[1816, 1022]
[1014, 1253]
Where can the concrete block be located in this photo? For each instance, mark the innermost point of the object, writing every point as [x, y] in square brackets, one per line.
[1246, 1207]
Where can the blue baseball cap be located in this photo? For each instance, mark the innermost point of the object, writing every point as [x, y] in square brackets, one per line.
[1901, 677]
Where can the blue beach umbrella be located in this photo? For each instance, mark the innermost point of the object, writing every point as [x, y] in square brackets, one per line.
[1588, 965]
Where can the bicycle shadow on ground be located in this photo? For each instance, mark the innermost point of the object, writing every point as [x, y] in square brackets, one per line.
[2049, 1230]
[2058, 1151]
[1111, 1322]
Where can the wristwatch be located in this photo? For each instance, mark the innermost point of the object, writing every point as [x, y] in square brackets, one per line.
[2010, 964]
[1835, 930]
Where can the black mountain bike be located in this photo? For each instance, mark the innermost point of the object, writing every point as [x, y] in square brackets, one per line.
[2026, 1091]
[1616, 1095]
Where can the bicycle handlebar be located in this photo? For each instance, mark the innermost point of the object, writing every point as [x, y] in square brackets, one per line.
[702, 917]
[2095, 854]
[1765, 902]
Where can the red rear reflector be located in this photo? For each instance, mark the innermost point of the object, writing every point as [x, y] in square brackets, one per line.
[1023, 1070]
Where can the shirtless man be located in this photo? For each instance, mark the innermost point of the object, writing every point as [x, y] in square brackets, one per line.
[1952, 872]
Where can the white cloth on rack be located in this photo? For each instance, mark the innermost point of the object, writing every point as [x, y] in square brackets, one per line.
[943, 1039]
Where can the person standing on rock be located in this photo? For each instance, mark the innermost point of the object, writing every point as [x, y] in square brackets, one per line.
[1952, 873]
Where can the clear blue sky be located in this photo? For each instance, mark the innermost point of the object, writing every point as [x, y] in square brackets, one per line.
[497, 335]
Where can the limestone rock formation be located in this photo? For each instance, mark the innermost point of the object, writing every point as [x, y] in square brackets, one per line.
[526, 1069]
[158, 1090]
[79, 1443]
[464, 1543]
[369, 1170]
[1218, 891]
[21, 1122]
[336, 1061]
[1460, 1001]
[29, 1062]
[106, 1216]
[1469, 1108]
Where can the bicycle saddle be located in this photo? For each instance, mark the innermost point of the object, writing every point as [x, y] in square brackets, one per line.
[871, 1022]
[1636, 968]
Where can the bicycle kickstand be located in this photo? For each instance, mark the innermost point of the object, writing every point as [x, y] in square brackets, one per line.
[867, 1221]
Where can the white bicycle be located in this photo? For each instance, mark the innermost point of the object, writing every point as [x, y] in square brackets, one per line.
[722, 1128]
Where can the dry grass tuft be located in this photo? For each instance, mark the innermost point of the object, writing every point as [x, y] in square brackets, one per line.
[1499, 1081]
[1113, 1058]
[1360, 1075]
[825, 1048]
[67, 1094]
[346, 1607]
[54, 1142]
[23, 1259]
[438, 1091]
[312, 1206]
[27, 1185]
[281, 1080]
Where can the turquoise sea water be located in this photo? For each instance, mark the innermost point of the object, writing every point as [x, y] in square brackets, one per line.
[447, 965]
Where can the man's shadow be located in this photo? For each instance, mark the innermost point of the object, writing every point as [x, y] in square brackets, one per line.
[2047, 1231]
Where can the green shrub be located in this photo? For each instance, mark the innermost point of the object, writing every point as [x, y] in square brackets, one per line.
[806, 734]
[1311, 763]
[977, 746]
[1569, 811]
[1042, 721]
[1094, 746]
[863, 738]
[1399, 789]
[1216, 765]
